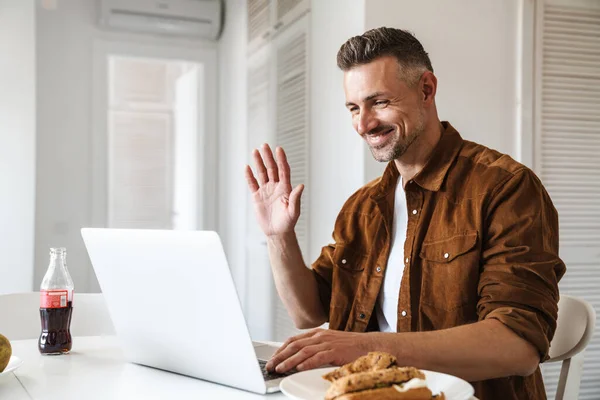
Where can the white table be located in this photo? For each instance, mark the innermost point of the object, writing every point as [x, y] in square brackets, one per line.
[96, 369]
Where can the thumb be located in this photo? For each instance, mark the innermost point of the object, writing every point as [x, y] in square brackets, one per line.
[295, 200]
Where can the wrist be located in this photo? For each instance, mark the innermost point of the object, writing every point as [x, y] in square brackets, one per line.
[282, 237]
[375, 341]
[389, 343]
[282, 242]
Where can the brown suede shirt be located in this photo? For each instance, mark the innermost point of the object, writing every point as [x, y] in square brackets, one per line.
[481, 242]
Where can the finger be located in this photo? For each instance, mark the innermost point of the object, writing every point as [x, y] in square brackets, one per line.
[284, 166]
[272, 170]
[292, 349]
[277, 357]
[302, 357]
[322, 358]
[252, 183]
[295, 338]
[294, 203]
[261, 171]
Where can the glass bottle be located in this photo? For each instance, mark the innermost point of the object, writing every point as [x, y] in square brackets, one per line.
[56, 305]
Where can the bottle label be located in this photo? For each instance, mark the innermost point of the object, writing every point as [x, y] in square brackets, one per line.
[53, 298]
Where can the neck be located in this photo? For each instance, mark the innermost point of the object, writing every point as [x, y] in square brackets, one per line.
[417, 155]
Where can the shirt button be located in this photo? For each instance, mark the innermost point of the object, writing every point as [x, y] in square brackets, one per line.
[378, 269]
[407, 259]
[361, 316]
[446, 255]
[415, 212]
[403, 313]
[344, 261]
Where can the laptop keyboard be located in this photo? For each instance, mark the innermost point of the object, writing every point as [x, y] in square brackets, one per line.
[269, 376]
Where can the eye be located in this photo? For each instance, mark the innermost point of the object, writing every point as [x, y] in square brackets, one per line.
[353, 109]
[381, 103]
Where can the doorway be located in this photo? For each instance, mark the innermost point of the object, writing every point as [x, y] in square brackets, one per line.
[153, 138]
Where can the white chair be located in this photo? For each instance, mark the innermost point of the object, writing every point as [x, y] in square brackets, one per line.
[20, 315]
[574, 329]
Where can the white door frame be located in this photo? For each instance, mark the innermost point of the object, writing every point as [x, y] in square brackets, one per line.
[526, 85]
[207, 112]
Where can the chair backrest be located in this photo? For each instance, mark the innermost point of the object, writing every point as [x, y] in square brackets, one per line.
[20, 316]
[574, 328]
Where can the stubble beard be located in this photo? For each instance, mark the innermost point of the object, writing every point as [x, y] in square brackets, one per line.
[400, 145]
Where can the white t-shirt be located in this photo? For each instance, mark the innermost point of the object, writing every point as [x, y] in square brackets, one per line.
[387, 302]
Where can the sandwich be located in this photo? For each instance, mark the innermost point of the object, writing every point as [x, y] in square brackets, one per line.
[368, 378]
[373, 361]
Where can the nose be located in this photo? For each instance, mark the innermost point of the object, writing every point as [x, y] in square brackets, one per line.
[365, 122]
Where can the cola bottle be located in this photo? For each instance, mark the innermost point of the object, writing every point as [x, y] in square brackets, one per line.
[56, 305]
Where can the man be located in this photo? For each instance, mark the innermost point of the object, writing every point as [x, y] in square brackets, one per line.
[448, 261]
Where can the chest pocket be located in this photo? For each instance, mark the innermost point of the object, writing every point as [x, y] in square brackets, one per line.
[450, 268]
[348, 259]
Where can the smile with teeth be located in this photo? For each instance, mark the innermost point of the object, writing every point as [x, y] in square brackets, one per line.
[379, 138]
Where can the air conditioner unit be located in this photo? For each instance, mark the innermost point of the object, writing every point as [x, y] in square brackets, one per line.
[193, 18]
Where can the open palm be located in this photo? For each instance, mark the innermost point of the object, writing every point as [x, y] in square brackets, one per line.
[277, 206]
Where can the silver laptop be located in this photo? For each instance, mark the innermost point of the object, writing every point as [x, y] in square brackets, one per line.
[174, 305]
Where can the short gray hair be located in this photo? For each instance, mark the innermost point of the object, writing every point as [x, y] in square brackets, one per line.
[375, 43]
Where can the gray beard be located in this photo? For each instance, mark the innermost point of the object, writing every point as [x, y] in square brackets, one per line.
[400, 147]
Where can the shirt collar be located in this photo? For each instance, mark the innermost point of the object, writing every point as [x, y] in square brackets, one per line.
[435, 170]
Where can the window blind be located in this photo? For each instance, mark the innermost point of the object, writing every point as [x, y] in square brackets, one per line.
[567, 153]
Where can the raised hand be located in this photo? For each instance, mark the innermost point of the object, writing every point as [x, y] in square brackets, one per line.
[277, 206]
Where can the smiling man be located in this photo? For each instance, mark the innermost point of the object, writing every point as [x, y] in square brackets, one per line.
[449, 260]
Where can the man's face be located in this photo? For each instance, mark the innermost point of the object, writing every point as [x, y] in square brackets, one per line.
[387, 113]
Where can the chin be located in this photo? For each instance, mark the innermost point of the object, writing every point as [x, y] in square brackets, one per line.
[388, 153]
[382, 155]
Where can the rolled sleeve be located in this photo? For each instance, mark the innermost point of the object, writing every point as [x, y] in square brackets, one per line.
[518, 285]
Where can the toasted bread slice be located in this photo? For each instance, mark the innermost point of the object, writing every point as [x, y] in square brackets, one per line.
[373, 361]
[371, 379]
[389, 393]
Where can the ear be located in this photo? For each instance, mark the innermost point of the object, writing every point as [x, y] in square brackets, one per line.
[428, 86]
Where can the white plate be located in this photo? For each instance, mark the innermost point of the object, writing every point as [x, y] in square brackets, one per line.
[309, 385]
[14, 363]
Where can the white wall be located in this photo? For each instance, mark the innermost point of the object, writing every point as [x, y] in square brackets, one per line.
[64, 79]
[336, 150]
[473, 48]
[65, 50]
[17, 144]
[233, 152]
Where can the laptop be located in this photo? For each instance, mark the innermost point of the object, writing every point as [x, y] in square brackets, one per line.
[174, 305]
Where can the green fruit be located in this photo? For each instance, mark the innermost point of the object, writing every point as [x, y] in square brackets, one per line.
[5, 352]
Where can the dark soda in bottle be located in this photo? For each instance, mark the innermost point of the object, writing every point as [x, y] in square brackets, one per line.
[56, 305]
